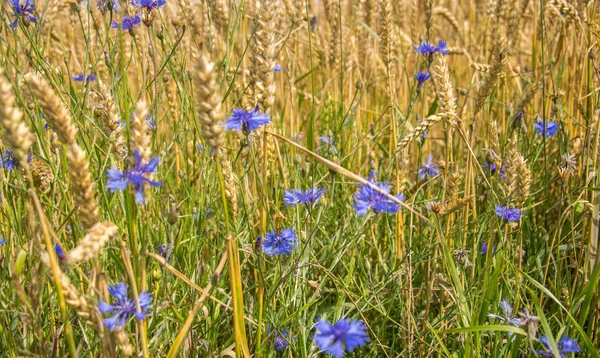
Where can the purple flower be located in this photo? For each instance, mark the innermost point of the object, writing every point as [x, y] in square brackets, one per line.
[280, 339]
[7, 161]
[246, 121]
[428, 169]
[545, 129]
[104, 5]
[277, 68]
[127, 23]
[165, 251]
[60, 252]
[493, 167]
[2, 241]
[425, 48]
[151, 122]
[279, 243]
[124, 308]
[308, 197]
[88, 78]
[506, 318]
[344, 335]
[422, 77]
[149, 4]
[368, 198]
[565, 345]
[508, 214]
[137, 176]
[24, 10]
[327, 143]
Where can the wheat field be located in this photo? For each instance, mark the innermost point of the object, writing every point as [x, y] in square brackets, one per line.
[289, 178]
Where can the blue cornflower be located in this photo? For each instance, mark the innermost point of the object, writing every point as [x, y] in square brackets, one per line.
[104, 5]
[127, 23]
[277, 68]
[280, 340]
[88, 78]
[368, 198]
[344, 335]
[550, 128]
[165, 251]
[137, 176]
[485, 248]
[422, 77]
[2, 241]
[151, 122]
[506, 318]
[565, 345]
[428, 169]
[493, 167]
[60, 252]
[25, 11]
[425, 48]
[247, 121]
[279, 243]
[308, 197]
[8, 161]
[124, 308]
[149, 4]
[327, 143]
[508, 214]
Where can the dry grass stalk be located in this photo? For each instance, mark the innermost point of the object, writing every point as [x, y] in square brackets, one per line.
[230, 186]
[139, 136]
[55, 112]
[42, 175]
[445, 89]
[263, 57]
[82, 186]
[92, 243]
[527, 96]
[522, 182]
[106, 111]
[447, 14]
[208, 102]
[16, 134]
[566, 10]
[418, 131]
[490, 81]
[386, 32]
[122, 339]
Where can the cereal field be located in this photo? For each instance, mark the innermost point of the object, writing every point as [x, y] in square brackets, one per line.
[299, 178]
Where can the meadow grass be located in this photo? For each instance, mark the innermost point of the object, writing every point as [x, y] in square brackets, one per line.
[222, 179]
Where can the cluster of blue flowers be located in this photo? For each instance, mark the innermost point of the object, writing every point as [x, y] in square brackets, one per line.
[296, 196]
[124, 307]
[545, 129]
[7, 161]
[81, 77]
[344, 335]
[428, 169]
[24, 10]
[367, 197]
[421, 77]
[127, 23]
[246, 121]
[508, 214]
[425, 48]
[280, 243]
[565, 345]
[136, 176]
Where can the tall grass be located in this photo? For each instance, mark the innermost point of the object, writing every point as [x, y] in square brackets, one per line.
[495, 152]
